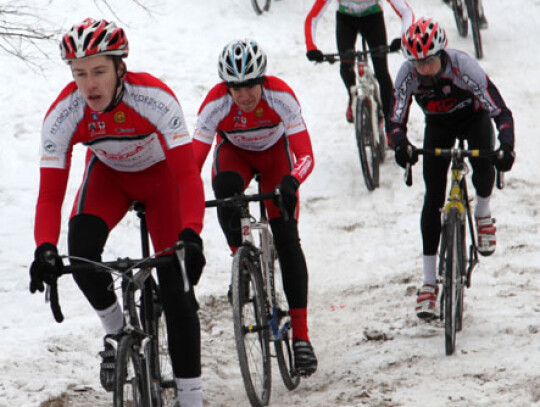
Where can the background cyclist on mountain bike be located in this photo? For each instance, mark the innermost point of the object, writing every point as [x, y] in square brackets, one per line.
[458, 99]
[139, 149]
[260, 129]
[364, 17]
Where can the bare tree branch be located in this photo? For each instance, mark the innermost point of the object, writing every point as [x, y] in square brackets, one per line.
[23, 31]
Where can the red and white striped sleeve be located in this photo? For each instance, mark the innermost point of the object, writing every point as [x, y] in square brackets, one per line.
[404, 11]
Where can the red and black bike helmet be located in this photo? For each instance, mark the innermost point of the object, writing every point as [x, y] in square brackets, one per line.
[93, 37]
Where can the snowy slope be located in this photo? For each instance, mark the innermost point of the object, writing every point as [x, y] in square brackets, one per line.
[363, 249]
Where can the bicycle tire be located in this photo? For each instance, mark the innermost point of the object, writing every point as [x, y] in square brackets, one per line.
[168, 392]
[261, 6]
[472, 8]
[369, 154]
[129, 388]
[460, 16]
[251, 331]
[282, 345]
[452, 285]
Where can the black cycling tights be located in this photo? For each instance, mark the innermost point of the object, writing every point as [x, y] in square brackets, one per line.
[479, 134]
[371, 28]
[291, 257]
[86, 238]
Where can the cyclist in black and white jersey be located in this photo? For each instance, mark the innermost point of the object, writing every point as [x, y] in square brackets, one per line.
[457, 98]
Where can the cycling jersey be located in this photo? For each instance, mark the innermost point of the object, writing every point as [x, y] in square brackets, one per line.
[277, 115]
[459, 92]
[357, 8]
[147, 127]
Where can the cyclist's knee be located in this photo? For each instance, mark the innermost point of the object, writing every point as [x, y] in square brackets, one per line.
[87, 236]
[227, 183]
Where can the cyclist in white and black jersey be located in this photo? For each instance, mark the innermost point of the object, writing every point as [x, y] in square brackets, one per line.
[354, 17]
[458, 99]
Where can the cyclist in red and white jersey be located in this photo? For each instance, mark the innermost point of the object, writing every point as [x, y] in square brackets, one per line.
[457, 98]
[260, 129]
[353, 17]
[139, 149]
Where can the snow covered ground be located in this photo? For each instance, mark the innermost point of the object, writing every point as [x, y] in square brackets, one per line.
[363, 249]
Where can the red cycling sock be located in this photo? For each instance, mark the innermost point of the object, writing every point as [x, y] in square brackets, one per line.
[299, 323]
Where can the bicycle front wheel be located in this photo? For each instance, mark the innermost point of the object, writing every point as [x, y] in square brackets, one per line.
[472, 6]
[281, 326]
[168, 391]
[452, 283]
[251, 326]
[260, 6]
[130, 389]
[460, 15]
[368, 151]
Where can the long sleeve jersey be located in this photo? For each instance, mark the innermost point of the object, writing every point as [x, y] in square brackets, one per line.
[146, 127]
[461, 89]
[357, 8]
[277, 115]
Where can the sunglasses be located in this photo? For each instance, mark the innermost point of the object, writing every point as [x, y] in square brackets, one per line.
[246, 84]
[420, 63]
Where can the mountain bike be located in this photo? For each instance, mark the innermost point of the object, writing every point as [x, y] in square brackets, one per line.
[261, 6]
[260, 310]
[144, 376]
[456, 260]
[464, 10]
[367, 109]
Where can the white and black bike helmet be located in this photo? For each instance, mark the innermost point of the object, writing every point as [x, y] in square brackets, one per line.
[242, 62]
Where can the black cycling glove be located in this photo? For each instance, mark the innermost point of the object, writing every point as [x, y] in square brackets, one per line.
[194, 257]
[45, 268]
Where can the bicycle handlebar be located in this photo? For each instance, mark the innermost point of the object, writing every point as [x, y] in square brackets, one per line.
[122, 265]
[457, 153]
[350, 56]
[240, 200]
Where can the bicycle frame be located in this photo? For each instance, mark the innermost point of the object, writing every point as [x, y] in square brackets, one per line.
[366, 87]
[266, 251]
[458, 198]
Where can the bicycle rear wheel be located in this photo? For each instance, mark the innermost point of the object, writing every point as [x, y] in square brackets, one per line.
[460, 15]
[452, 283]
[250, 326]
[369, 153]
[472, 7]
[260, 6]
[281, 324]
[130, 389]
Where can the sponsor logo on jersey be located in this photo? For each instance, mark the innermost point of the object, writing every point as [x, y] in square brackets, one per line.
[259, 112]
[151, 102]
[120, 117]
[49, 146]
[175, 122]
[440, 106]
[94, 116]
[121, 130]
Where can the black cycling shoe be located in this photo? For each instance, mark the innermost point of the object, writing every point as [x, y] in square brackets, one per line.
[107, 372]
[305, 361]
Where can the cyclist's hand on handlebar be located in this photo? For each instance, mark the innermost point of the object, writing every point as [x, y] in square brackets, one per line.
[315, 55]
[194, 256]
[289, 186]
[45, 268]
[406, 153]
[505, 158]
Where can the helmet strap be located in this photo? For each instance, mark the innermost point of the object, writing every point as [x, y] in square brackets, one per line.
[119, 90]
